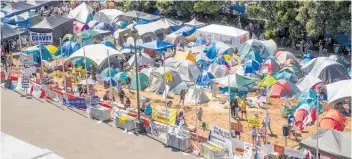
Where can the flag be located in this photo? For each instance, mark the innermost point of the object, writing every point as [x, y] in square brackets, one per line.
[311, 117]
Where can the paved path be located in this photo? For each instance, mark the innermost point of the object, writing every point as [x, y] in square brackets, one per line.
[71, 135]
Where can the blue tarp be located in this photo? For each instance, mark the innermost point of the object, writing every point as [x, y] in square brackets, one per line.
[253, 55]
[239, 8]
[35, 50]
[285, 75]
[67, 48]
[204, 79]
[108, 44]
[186, 31]
[343, 39]
[142, 21]
[157, 45]
[107, 81]
[219, 61]
[210, 51]
[156, 12]
[104, 26]
[200, 41]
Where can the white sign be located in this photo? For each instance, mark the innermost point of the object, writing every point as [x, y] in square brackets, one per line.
[37, 90]
[220, 133]
[26, 60]
[294, 153]
[41, 38]
[30, 70]
[266, 150]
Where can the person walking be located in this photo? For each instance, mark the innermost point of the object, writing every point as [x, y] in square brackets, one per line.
[122, 95]
[200, 114]
[182, 97]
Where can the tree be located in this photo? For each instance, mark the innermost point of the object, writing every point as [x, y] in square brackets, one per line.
[207, 7]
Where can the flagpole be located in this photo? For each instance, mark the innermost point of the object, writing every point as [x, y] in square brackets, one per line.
[266, 109]
[111, 93]
[229, 107]
[196, 101]
[317, 126]
[63, 69]
[85, 74]
[165, 82]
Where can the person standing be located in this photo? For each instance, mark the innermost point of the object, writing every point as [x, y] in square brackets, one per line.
[301, 44]
[238, 130]
[254, 135]
[234, 107]
[200, 114]
[306, 47]
[243, 106]
[293, 127]
[128, 83]
[267, 122]
[122, 95]
[119, 86]
[320, 48]
[182, 97]
[148, 111]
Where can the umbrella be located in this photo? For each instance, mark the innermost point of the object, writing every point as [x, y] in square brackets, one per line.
[89, 81]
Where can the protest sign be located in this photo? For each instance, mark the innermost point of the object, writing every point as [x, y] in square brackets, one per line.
[220, 133]
[26, 60]
[37, 90]
[79, 103]
[254, 122]
[25, 82]
[14, 71]
[237, 126]
[166, 116]
[41, 38]
[29, 70]
[279, 149]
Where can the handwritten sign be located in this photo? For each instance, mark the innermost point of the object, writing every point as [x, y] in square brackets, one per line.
[25, 82]
[166, 116]
[237, 126]
[254, 122]
[279, 149]
[95, 101]
[220, 133]
[16, 71]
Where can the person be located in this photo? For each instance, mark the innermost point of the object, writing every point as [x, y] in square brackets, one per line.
[301, 44]
[293, 127]
[77, 91]
[180, 119]
[243, 106]
[106, 96]
[127, 103]
[289, 117]
[266, 120]
[234, 107]
[169, 104]
[346, 108]
[182, 97]
[200, 114]
[119, 86]
[306, 47]
[254, 134]
[128, 83]
[262, 133]
[148, 111]
[121, 95]
[237, 132]
[320, 48]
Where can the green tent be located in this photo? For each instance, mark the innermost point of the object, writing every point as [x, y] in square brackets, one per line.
[267, 81]
[88, 34]
[307, 94]
[292, 69]
[143, 81]
[235, 80]
[121, 76]
[109, 72]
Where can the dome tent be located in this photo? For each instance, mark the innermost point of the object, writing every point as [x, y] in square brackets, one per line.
[307, 94]
[283, 56]
[270, 66]
[252, 55]
[179, 87]
[251, 66]
[267, 81]
[308, 82]
[82, 13]
[339, 91]
[286, 75]
[188, 70]
[143, 81]
[37, 53]
[109, 72]
[51, 48]
[264, 48]
[220, 71]
[333, 120]
[108, 16]
[67, 49]
[283, 88]
[294, 69]
[338, 59]
[204, 79]
[121, 76]
[196, 94]
[141, 60]
[108, 43]
[104, 26]
[157, 76]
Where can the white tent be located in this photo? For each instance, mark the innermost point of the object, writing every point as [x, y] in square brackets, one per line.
[82, 13]
[196, 94]
[153, 31]
[220, 71]
[97, 53]
[326, 69]
[229, 35]
[187, 69]
[232, 62]
[339, 90]
[141, 60]
[195, 23]
[148, 71]
[264, 48]
[156, 79]
[307, 82]
[107, 15]
[175, 39]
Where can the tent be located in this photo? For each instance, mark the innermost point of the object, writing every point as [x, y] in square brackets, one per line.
[264, 48]
[251, 66]
[270, 66]
[195, 23]
[68, 37]
[294, 69]
[326, 69]
[234, 80]
[17, 8]
[286, 75]
[179, 87]
[109, 72]
[104, 26]
[252, 55]
[220, 71]
[175, 39]
[51, 48]
[333, 119]
[8, 33]
[108, 16]
[141, 16]
[188, 70]
[344, 39]
[142, 59]
[232, 62]
[184, 56]
[121, 76]
[331, 142]
[157, 76]
[217, 48]
[307, 94]
[339, 91]
[40, 3]
[67, 49]
[157, 45]
[283, 88]
[82, 13]
[153, 31]
[36, 53]
[92, 23]
[22, 20]
[204, 79]
[186, 31]
[97, 53]
[229, 35]
[143, 81]
[220, 61]
[267, 81]
[57, 25]
[173, 24]
[283, 56]
[200, 41]
[196, 94]
[308, 82]
[108, 43]
[79, 27]
[338, 59]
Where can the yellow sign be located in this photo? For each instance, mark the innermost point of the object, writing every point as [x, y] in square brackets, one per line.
[168, 76]
[163, 115]
[254, 122]
[123, 119]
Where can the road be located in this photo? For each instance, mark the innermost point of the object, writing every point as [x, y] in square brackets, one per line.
[71, 135]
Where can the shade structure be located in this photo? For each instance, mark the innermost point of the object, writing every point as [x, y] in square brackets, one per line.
[109, 72]
[97, 53]
[157, 45]
[17, 8]
[267, 81]
[142, 59]
[180, 55]
[282, 56]
[51, 48]
[7, 32]
[338, 91]
[195, 23]
[270, 66]
[326, 69]
[67, 49]
[307, 94]
[82, 13]
[121, 76]
[143, 80]
[235, 80]
[89, 81]
[333, 119]
[204, 79]
[331, 142]
[283, 88]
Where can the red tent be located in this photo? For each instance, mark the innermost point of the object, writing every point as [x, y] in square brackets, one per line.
[271, 65]
[280, 89]
[333, 119]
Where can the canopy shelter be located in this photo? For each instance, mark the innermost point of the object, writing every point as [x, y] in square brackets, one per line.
[35, 51]
[188, 70]
[326, 69]
[17, 8]
[264, 48]
[8, 33]
[196, 95]
[283, 56]
[333, 119]
[142, 59]
[153, 31]
[157, 45]
[204, 79]
[55, 24]
[143, 80]
[229, 35]
[283, 88]
[308, 82]
[234, 80]
[176, 39]
[97, 53]
[195, 23]
[82, 13]
[307, 94]
[184, 56]
[331, 142]
[339, 91]
[67, 49]
[108, 16]
[270, 66]
[157, 79]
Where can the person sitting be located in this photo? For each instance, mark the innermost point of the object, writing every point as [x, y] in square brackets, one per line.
[128, 103]
[346, 108]
[106, 96]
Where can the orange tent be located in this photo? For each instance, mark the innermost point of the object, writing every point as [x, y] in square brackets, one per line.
[333, 119]
[180, 55]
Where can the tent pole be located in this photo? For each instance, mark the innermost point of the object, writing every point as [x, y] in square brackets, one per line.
[41, 65]
[317, 127]
[85, 74]
[229, 107]
[196, 101]
[165, 82]
[63, 69]
[110, 80]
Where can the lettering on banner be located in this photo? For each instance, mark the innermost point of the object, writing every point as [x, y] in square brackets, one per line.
[30, 70]
[220, 133]
[254, 122]
[163, 113]
[158, 128]
[237, 126]
[79, 103]
[41, 38]
[25, 82]
[95, 101]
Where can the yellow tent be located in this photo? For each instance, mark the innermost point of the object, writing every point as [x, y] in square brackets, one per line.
[227, 57]
[185, 56]
[52, 49]
[267, 81]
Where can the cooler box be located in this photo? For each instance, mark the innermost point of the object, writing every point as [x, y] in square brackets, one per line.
[100, 113]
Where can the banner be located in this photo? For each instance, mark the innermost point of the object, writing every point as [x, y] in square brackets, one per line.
[237, 126]
[95, 101]
[79, 103]
[25, 82]
[166, 116]
[26, 60]
[220, 133]
[254, 122]
[41, 38]
[37, 90]
[14, 71]
[30, 70]
[19, 84]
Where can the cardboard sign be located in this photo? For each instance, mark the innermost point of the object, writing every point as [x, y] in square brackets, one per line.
[237, 126]
[279, 149]
[41, 38]
[254, 122]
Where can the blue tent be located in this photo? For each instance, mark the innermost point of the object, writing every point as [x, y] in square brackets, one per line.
[186, 31]
[307, 94]
[285, 75]
[251, 66]
[107, 80]
[157, 45]
[239, 8]
[343, 39]
[204, 79]
[67, 49]
[121, 76]
[311, 102]
[219, 61]
[210, 51]
[108, 44]
[104, 26]
[107, 71]
[350, 72]
[253, 55]
[142, 21]
[78, 62]
[200, 41]
[35, 50]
